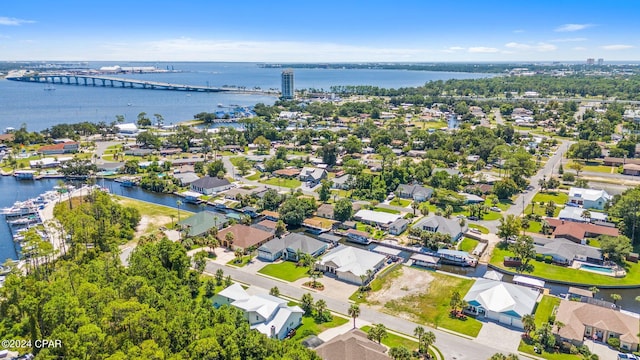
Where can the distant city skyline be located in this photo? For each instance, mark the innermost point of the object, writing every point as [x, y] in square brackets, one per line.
[328, 31]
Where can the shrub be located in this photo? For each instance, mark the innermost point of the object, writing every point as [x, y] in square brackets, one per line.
[568, 177]
[539, 257]
[548, 259]
[614, 342]
[573, 350]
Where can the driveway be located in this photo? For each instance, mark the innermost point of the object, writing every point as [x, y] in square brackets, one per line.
[333, 287]
[499, 337]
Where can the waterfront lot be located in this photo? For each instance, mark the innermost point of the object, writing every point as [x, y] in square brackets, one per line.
[562, 273]
[420, 295]
[153, 216]
[288, 183]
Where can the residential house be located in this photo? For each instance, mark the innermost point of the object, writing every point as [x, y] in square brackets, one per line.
[503, 302]
[631, 169]
[341, 182]
[318, 225]
[565, 251]
[378, 218]
[449, 171]
[571, 213]
[471, 198]
[312, 175]
[415, 192]
[244, 237]
[357, 236]
[203, 222]
[290, 247]
[589, 198]
[287, 173]
[232, 194]
[398, 227]
[354, 344]
[210, 185]
[578, 232]
[440, 224]
[348, 263]
[268, 314]
[186, 178]
[61, 148]
[584, 320]
[270, 215]
[325, 211]
[266, 225]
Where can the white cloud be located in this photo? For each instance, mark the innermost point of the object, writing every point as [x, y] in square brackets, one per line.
[572, 27]
[568, 40]
[617, 47]
[453, 49]
[13, 21]
[541, 47]
[482, 49]
[579, 48]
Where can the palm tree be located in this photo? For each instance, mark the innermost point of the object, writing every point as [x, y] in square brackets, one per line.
[238, 254]
[354, 312]
[321, 307]
[586, 215]
[594, 290]
[178, 203]
[528, 324]
[229, 237]
[419, 332]
[615, 298]
[428, 339]
[377, 332]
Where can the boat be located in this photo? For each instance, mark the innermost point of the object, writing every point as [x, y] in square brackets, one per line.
[49, 88]
[220, 105]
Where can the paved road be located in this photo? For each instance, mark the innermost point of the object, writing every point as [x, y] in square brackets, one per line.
[452, 346]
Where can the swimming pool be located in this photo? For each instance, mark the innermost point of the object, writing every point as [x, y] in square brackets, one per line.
[601, 269]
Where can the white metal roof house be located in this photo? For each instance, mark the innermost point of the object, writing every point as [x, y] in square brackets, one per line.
[503, 302]
[376, 217]
[349, 263]
[589, 198]
[440, 224]
[268, 314]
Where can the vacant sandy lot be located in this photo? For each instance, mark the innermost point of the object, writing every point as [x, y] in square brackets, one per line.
[404, 282]
[149, 224]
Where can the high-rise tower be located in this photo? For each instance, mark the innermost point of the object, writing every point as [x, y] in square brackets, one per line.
[287, 84]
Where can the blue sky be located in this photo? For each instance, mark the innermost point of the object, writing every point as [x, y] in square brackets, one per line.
[320, 31]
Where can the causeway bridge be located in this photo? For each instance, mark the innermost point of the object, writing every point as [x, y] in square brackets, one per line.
[115, 82]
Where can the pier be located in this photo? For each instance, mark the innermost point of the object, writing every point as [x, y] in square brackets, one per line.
[115, 82]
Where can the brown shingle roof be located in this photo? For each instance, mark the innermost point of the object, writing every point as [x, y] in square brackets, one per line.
[579, 230]
[352, 345]
[575, 315]
[245, 236]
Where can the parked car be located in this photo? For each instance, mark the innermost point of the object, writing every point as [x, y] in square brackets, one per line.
[622, 356]
[495, 208]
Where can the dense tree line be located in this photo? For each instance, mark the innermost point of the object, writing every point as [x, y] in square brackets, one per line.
[157, 308]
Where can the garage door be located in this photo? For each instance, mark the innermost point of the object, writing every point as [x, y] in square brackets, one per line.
[505, 319]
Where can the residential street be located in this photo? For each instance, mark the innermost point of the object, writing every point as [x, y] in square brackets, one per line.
[452, 346]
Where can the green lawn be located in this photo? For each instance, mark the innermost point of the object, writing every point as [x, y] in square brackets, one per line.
[559, 198]
[468, 244]
[482, 229]
[430, 306]
[400, 202]
[385, 210]
[535, 226]
[561, 273]
[245, 261]
[255, 176]
[286, 270]
[310, 327]
[236, 160]
[545, 308]
[288, 183]
[395, 340]
[540, 210]
[158, 215]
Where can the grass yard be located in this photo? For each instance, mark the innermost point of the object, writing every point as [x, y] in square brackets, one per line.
[245, 261]
[430, 306]
[540, 210]
[288, 183]
[385, 210]
[545, 308]
[535, 226]
[400, 202]
[561, 273]
[153, 214]
[311, 327]
[559, 198]
[286, 270]
[395, 340]
[255, 176]
[236, 160]
[481, 228]
[468, 244]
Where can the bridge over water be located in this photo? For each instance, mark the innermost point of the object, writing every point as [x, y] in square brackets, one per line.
[108, 81]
